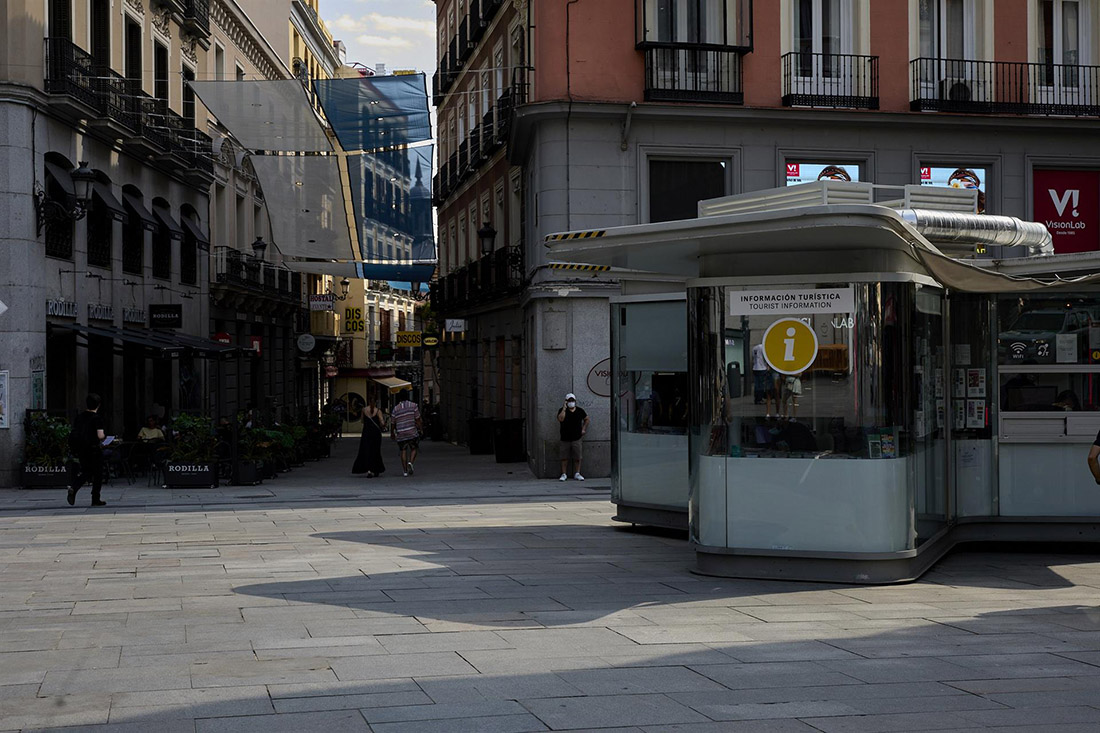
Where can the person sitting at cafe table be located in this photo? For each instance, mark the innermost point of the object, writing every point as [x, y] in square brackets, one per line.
[151, 431]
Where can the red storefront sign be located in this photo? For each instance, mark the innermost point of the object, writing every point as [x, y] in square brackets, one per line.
[223, 338]
[1068, 204]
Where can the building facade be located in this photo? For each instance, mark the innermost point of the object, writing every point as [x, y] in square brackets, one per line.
[626, 123]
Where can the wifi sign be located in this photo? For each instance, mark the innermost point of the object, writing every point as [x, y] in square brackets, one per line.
[1018, 349]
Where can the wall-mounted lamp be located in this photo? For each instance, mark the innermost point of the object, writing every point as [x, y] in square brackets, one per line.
[345, 288]
[487, 236]
[48, 211]
[259, 247]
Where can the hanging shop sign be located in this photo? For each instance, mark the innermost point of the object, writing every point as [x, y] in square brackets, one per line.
[323, 302]
[431, 342]
[306, 342]
[166, 316]
[798, 301]
[223, 338]
[61, 308]
[455, 325]
[409, 339]
[1068, 205]
[100, 312]
[133, 315]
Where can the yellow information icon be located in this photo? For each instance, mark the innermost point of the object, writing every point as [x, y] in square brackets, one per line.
[790, 346]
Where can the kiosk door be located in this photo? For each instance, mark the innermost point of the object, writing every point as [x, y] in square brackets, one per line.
[929, 428]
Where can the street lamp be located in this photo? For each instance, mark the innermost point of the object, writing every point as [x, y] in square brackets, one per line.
[48, 211]
[259, 247]
[487, 236]
[345, 288]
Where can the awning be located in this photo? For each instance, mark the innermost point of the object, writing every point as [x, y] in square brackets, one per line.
[265, 114]
[102, 192]
[164, 344]
[196, 231]
[137, 208]
[398, 272]
[164, 216]
[393, 384]
[64, 180]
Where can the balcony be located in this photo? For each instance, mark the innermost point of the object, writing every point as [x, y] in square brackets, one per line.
[72, 75]
[244, 274]
[834, 80]
[689, 73]
[481, 143]
[1005, 87]
[196, 17]
[496, 275]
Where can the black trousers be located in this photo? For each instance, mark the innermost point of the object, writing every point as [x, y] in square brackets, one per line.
[90, 471]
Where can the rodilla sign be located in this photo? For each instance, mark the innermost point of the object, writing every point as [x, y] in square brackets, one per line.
[1068, 204]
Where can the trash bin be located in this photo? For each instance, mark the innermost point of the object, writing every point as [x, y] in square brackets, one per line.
[508, 440]
[480, 437]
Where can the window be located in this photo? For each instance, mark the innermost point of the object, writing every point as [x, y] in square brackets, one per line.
[61, 19]
[240, 74]
[802, 172]
[133, 53]
[713, 22]
[162, 253]
[160, 71]
[1063, 40]
[219, 62]
[133, 233]
[101, 33]
[822, 28]
[948, 28]
[677, 186]
[188, 96]
[100, 226]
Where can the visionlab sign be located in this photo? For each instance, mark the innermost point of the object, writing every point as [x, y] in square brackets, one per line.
[1068, 204]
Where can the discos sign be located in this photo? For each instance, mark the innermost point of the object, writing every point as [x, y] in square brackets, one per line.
[1068, 205]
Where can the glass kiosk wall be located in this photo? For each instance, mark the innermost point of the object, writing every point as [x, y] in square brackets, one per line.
[1048, 369]
[836, 441]
[650, 402]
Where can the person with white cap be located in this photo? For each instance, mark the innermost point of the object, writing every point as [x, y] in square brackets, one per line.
[573, 425]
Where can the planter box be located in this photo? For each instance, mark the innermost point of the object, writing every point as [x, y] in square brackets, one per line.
[200, 474]
[37, 476]
[248, 473]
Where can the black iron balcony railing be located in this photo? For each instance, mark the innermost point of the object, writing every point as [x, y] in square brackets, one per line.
[830, 80]
[489, 8]
[234, 268]
[496, 275]
[1005, 87]
[685, 73]
[71, 70]
[196, 14]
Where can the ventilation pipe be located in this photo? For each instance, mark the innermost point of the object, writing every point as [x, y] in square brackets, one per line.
[952, 227]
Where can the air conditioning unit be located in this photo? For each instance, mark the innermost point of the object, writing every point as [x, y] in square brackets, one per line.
[957, 90]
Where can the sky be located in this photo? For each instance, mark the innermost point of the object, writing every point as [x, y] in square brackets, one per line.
[397, 33]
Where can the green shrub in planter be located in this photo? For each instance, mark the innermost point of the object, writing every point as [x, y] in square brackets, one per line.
[46, 459]
[192, 458]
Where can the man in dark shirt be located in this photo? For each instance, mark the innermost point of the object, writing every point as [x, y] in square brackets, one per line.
[573, 425]
[87, 444]
[1094, 454]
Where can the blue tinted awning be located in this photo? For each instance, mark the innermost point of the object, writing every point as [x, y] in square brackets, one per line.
[372, 112]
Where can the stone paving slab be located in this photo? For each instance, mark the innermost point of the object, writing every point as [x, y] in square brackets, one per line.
[472, 597]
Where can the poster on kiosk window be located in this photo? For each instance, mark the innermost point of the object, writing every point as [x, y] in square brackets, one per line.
[956, 177]
[810, 172]
[1068, 204]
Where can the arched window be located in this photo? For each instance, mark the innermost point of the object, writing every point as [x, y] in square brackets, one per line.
[104, 210]
[59, 188]
[167, 230]
[138, 221]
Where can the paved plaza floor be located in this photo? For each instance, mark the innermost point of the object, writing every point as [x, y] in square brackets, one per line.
[472, 597]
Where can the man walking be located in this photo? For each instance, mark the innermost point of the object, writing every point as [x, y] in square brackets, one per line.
[573, 425]
[86, 442]
[406, 424]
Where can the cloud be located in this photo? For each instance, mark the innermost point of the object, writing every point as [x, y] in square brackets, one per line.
[374, 23]
[383, 41]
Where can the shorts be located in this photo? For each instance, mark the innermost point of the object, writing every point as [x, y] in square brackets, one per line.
[412, 443]
[570, 449]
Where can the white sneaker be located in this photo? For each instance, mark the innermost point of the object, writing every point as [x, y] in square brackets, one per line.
[406, 473]
[578, 477]
[410, 469]
[562, 477]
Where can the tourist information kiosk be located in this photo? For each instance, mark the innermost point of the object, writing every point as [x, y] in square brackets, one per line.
[910, 396]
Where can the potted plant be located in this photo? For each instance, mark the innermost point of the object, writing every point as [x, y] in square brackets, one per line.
[250, 456]
[46, 452]
[192, 459]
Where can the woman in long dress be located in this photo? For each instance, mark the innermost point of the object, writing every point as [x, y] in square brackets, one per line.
[369, 459]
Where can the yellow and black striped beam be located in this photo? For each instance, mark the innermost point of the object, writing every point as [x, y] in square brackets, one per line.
[576, 235]
[581, 268]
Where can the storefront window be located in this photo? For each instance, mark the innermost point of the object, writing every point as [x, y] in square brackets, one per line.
[1048, 349]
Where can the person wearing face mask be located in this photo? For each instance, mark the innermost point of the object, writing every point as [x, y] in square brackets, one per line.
[573, 425]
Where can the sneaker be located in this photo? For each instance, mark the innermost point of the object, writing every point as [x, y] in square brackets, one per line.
[71, 497]
[406, 473]
[578, 477]
[562, 477]
[410, 469]
[99, 502]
